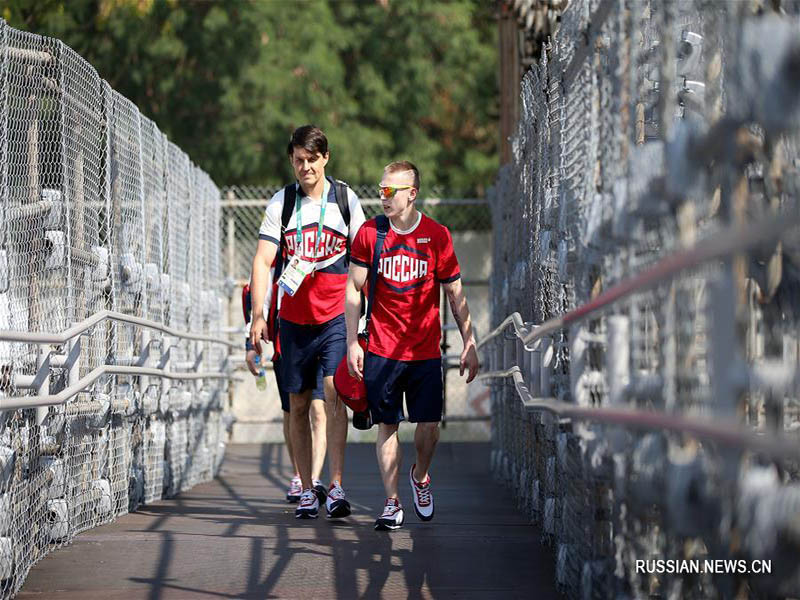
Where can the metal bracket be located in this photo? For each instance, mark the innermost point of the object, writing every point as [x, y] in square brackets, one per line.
[37, 380]
[58, 249]
[100, 271]
[130, 270]
[55, 215]
[689, 51]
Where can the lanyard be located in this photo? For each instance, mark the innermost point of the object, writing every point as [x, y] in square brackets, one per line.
[323, 203]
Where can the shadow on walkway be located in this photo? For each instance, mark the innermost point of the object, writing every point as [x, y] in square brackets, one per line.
[235, 537]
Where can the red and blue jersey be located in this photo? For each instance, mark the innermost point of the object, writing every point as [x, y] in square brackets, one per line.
[405, 321]
[321, 296]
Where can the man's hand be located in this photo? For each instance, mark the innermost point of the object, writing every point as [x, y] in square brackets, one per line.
[355, 360]
[251, 364]
[258, 332]
[469, 360]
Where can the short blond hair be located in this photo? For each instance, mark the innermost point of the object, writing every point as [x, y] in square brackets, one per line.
[400, 166]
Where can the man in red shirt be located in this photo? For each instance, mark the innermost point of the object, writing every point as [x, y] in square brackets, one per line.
[314, 241]
[403, 355]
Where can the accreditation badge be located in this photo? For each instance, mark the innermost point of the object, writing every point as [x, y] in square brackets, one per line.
[293, 275]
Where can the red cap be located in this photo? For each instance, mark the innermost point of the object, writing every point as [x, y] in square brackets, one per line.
[352, 391]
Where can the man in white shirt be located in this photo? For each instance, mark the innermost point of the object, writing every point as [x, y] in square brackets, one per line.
[320, 222]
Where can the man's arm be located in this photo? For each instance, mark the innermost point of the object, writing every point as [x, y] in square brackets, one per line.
[262, 261]
[352, 312]
[460, 310]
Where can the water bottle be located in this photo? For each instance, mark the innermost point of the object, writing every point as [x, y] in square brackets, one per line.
[261, 378]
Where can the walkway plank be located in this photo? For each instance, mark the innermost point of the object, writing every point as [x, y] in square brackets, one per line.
[234, 537]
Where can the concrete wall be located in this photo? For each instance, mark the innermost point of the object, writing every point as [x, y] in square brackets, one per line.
[259, 414]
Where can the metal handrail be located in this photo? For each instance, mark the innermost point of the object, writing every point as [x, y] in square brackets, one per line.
[774, 445]
[14, 403]
[520, 328]
[86, 324]
[719, 245]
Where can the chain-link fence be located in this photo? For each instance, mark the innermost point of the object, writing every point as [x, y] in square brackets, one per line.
[109, 256]
[243, 209]
[646, 233]
[469, 220]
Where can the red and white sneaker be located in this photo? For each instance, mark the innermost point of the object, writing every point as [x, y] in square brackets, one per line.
[295, 489]
[392, 516]
[423, 498]
[308, 508]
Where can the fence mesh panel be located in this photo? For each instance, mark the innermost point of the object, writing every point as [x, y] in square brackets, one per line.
[98, 212]
[645, 129]
[243, 210]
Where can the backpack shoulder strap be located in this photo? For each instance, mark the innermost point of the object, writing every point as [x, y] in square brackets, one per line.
[382, 223]
[382, 228]
[343, 200]
[289, 197]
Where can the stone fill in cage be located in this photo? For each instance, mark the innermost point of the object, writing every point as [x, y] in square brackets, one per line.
[101, 217]
[645, 394]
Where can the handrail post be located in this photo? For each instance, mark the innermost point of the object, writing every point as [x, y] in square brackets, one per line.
[509, 402]
[723, 343]
[618, 371]
[493, 408]
[144, 381]
[534, 369]
[166, 364]
[577, 364]
[509, 352]
[196, 353]
[42, 362]
[618, 358]
[725, 392]
[499, 357]
[525, 366]
[546, 365]
[73, 354]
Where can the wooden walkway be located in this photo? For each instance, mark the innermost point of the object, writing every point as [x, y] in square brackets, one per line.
[235, 537]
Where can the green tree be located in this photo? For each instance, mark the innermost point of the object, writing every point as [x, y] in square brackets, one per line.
[229, 80]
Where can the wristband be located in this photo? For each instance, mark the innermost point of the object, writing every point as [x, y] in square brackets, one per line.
[248, 345]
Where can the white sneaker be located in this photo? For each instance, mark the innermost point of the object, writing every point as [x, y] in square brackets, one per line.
[308, 508]
[295, 489]
[392, 516]
[336, 505]
[423, 498]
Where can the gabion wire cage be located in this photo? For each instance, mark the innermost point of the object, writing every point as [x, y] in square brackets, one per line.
[99, 212]
[646, 129]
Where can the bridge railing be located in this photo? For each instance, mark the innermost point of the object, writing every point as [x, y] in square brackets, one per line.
[113, 375]
[645, 390]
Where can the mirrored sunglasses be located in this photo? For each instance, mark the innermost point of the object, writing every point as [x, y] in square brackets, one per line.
[387, 191]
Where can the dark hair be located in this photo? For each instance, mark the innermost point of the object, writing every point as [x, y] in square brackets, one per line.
[310, 138]
[400, 166]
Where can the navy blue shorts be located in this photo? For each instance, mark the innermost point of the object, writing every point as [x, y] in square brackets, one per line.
[318, 392]
[387, 380]
[307, 348]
